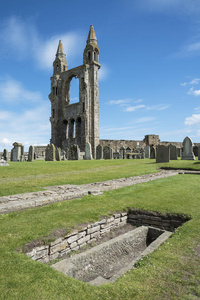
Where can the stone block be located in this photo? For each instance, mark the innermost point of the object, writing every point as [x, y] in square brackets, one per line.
[84, 239]
[93, 229]
[72, 239]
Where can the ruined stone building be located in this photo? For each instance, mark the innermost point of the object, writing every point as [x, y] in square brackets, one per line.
[76, 123]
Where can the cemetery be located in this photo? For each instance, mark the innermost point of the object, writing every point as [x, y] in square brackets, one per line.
[86, 218]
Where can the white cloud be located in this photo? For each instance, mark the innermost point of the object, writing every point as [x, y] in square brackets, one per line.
[138, 101]
[192, 82]
[143, 120]
[12, 90]
[119, 102]
[158, 107]
[194, 92]
[193, 120]
[134, 108]
[21, 39]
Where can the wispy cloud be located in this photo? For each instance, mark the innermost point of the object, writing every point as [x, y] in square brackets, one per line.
[119, 102]
[193, 120]
[143, 120]
[194, 92]
[21, 39]
[28, 125]
[191, 82]
[134, 108]
[12, 90]
[158, 107]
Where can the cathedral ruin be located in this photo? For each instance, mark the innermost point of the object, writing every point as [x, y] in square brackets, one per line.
[77, 123]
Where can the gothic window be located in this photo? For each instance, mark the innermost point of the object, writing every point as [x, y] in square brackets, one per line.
[57, 68]
[56, 91]
[83, 106]
[74, 90]
[53, 113]
[89, 56]
[63, 68]
[66, 129]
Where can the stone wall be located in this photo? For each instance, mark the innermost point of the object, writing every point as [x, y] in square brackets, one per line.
[88, 234]
[117, 144]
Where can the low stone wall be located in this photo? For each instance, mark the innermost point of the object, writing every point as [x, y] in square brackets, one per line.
[163, 221]
[80, 238]
[77, 239]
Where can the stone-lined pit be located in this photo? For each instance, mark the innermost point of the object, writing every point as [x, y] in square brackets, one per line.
[108, 261]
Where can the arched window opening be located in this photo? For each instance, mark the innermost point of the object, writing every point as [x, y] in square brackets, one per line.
[83, 106]
[74, 90]
[78, 128]
[53, 113]
[66, 129]
[56, 91]
[72, 129]
[57, 68]
[63, 68]
[89, 56]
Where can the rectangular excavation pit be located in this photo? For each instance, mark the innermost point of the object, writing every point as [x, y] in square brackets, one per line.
[108, 261]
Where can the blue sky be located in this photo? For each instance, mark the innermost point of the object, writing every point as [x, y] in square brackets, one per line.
[150, 57]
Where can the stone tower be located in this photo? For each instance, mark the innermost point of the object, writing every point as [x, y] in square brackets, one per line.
[76, 123]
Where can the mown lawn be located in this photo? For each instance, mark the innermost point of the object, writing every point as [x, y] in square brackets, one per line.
[171, 272]
[33, 176]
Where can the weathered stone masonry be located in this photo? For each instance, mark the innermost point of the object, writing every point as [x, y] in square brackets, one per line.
[76, 123]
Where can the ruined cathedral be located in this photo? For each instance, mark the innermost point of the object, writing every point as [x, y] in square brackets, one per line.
[77, 123]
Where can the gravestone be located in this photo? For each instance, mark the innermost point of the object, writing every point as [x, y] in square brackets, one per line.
[50, 152]
[162, 154]
[195, 150]
[128, 150]
[173, 152]
[199, 153]
[115, 155]
[187, 153]
[88, 151]
[17, 153]
[73, 153]
[5, 154]
[147, 151]
[31, 153]
[121, 152]
[142, 151]
[107, 152]
[99, 152]
[57, 153]
[152, 152]
[63, 154]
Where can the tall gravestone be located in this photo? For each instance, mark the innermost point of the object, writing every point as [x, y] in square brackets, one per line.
[88, 152]
[73, 152]
[162, 154]
[195, 150]
[199, 153]
[152, 152]
[99, 152]
[50, 152]
[31, 153]
[107, 152]
[187, 153]
[17, 153]
[147, 151]
[115, 155]
[5, 154]
[173, 152]
[58, 154]
[121, 152]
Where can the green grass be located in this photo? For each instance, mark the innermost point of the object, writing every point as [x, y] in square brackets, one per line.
[33, 176]
[171, 272]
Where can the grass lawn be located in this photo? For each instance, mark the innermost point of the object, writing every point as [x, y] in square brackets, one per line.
[33, 176]
[171, 272]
